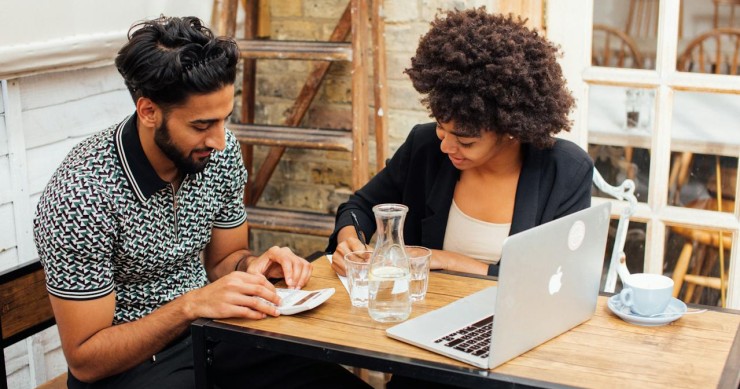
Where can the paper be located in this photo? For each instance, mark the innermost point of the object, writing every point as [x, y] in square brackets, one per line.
[344, 279]
[295, 301]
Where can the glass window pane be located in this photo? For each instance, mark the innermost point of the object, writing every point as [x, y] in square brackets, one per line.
[693, 259]
[625, 33]
[616, 163]
[704, 142]
[694, 180]
[700, 37]
[620, 121]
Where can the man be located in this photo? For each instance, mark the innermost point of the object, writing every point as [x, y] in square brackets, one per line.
[122, 224]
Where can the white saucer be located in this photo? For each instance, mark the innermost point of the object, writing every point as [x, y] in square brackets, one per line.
[675, 309]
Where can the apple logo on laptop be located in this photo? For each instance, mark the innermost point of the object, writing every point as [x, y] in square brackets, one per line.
[555, 283]
[576, 234]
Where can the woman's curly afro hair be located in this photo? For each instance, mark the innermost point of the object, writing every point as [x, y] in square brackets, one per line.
[491, 73]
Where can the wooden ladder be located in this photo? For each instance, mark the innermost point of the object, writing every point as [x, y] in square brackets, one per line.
[355, 21]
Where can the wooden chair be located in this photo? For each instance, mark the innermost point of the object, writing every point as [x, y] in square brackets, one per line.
[642, 26]
[699, 274]
[26, 310]
[716, 51]
[642, 19]
[679, 175]
[700, 245]
[613, 48]
[720, 6]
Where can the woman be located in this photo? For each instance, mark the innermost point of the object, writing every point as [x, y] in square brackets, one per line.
[490, 165]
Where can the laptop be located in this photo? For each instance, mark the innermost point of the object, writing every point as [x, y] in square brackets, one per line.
[548, 283]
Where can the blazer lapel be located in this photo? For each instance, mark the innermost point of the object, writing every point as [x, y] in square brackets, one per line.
[434, 224]
[526, 203]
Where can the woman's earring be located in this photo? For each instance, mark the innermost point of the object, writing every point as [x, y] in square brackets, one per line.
[511, 136]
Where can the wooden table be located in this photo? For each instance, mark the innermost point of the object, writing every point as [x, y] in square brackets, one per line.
[699, 351]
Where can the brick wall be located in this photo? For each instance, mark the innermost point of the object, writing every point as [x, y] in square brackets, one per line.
[319, 180]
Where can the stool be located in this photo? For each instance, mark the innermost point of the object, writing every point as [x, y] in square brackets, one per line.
[699, 273]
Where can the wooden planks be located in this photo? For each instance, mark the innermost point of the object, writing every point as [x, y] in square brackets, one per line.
[296, 50]
[24, 303]
[603, 352]
[360, 157]
[299, 109]
[355, 22]
[58, 382]
[298, 222]
[286, 136]
[380, 89]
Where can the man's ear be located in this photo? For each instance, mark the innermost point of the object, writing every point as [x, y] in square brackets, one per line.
[148, 111]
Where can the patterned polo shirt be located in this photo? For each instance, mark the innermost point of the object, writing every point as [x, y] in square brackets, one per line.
[107, 223]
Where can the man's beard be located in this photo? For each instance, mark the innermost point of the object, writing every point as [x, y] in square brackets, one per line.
[185, 164]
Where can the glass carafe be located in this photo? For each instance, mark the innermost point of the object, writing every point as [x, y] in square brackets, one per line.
[389, 299]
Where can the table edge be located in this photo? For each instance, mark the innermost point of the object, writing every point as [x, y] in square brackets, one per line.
[730, 377]
[375, 360]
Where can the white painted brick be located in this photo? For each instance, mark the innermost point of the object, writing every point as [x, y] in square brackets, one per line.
[396, 11]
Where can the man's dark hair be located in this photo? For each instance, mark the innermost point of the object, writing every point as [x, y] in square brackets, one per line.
[491, 73]
[169, 59]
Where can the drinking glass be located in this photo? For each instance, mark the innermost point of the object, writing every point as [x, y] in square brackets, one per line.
[419, 261]
[358, 271]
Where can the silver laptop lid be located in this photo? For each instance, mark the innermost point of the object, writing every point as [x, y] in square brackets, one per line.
[548, 281]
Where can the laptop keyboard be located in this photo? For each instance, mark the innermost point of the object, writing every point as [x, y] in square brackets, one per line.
[474, 339]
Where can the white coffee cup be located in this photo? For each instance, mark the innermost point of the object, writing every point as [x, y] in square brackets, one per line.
[647, 294]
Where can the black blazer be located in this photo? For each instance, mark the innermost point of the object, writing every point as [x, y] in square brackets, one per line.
[553, 183]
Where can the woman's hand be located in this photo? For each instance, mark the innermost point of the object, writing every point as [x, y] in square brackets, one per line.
[348, 242]
[447, 260]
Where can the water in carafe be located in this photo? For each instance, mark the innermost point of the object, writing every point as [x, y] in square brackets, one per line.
[389, 299]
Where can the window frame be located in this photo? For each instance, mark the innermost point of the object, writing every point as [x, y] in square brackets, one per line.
[569, 24]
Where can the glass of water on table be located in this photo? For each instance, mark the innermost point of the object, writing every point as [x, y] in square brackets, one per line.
[419, 262]
[357, 264]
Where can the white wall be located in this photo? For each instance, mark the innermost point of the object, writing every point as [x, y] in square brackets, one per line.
[43, 35]
[44, 116]
[58, 87]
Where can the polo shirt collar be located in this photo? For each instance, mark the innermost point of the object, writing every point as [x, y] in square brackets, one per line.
[139, 171]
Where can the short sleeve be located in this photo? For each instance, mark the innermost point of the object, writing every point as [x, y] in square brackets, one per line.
[231, 213]
[74, 231]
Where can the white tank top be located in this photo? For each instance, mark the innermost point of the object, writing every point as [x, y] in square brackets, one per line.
[475, 238]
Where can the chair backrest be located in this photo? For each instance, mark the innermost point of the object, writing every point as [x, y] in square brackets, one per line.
[642, 19]
[716, 51]
[725, 7]
[25, 307]
[613, 48]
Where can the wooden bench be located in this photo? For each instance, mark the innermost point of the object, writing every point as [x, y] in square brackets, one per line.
[25, 311]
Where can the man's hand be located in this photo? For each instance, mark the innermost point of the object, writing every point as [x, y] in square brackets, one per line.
[281, 262]
[237, 294]
[94, 348]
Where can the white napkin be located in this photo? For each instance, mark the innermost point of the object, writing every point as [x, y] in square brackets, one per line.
[344, 279]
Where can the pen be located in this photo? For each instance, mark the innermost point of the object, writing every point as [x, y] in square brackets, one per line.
[356, 223]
